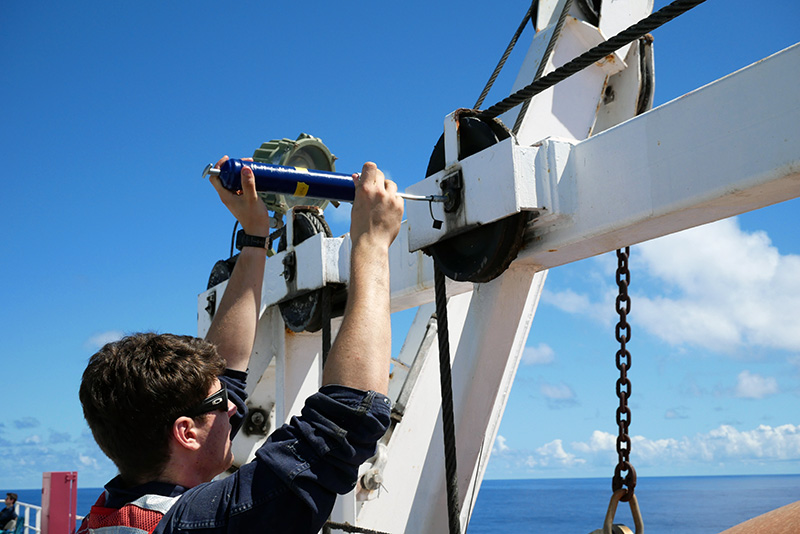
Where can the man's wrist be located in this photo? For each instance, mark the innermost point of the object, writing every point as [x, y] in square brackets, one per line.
[370, 244]
[244, 239]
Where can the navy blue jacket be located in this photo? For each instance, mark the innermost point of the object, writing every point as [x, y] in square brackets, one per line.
[6, 515]
[292, 483]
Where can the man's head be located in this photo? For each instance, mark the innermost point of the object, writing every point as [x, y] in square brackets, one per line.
[133, 390]
[11, 499]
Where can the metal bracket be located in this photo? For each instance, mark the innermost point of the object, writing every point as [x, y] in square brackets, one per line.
[257, 422]
[289, 264]
[452, 189]
[211, 307]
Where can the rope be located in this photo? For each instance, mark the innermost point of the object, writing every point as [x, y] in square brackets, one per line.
[509, 48]
[551, 45]
[644, 26]
[448, 425]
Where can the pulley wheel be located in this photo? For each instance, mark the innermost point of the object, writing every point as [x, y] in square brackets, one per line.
[304, 313]
[221, 271]
[483, 253]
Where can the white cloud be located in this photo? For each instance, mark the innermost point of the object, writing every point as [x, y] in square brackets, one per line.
[676, 413]
[558, 395]
[499, 445]
[552, 455]
[23, 461]
[754, 386]
[88, 462]
[98, 340]
[599, 441]
[580, 304]
[557, 391]
[729, 289]
[719, 287]
[723, 444]
[538, 355]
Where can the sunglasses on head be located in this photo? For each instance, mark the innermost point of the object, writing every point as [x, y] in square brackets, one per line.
[216, 401]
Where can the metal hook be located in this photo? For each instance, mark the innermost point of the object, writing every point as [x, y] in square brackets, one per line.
[608, 526]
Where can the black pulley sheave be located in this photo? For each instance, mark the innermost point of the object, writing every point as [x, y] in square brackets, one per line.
[483, 253]
[304, 312]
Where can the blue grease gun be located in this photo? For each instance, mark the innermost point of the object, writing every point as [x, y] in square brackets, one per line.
[296, 181]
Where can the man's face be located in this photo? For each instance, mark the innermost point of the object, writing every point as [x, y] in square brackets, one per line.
[216, 455]
[9, 502]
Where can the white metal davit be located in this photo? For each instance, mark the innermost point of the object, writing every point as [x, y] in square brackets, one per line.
[586, 172]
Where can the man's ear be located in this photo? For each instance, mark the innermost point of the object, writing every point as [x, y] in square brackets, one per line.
[185, 433]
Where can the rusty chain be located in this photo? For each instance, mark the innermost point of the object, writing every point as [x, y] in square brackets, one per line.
[623, 386]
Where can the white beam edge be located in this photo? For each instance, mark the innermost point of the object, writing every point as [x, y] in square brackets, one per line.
[730, 147]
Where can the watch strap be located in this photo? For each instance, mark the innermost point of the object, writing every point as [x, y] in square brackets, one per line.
[247, 240]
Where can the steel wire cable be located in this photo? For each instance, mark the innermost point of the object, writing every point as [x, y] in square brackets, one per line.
[448, 424]
[509, 48]
[551, 45]
[635, 31]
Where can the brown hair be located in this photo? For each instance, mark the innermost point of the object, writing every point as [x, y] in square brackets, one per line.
[13, 496]
[134, 389]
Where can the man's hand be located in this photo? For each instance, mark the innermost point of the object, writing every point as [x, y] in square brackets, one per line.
[377, 210]
[245, 205]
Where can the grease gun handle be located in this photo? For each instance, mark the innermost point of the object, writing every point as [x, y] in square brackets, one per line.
[295, 181]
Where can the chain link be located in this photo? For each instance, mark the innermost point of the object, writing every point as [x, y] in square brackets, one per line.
[623, 386]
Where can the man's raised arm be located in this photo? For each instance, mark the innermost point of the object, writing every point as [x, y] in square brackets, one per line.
[361, 354]
[233, 329]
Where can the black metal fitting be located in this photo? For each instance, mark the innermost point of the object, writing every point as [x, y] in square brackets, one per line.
[256, 422]
[211, 307]
[452, 188]
[289, 264]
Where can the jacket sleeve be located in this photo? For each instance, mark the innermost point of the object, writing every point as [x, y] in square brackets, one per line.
[336, 432]
[292, 483]
[236, 382]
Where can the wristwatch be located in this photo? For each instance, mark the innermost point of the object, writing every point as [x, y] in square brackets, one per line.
[247, 240]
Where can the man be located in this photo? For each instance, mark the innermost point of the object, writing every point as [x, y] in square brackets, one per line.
[8, 513]
[164, 408]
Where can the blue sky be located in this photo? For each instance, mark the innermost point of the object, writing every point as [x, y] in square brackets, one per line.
[111, 110]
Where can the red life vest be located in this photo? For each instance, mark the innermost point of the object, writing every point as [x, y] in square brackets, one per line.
[137, 517]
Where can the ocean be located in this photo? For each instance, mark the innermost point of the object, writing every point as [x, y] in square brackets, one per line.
[700, 505]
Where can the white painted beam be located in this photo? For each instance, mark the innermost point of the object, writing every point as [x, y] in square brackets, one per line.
[411, 275]
[727, 148]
